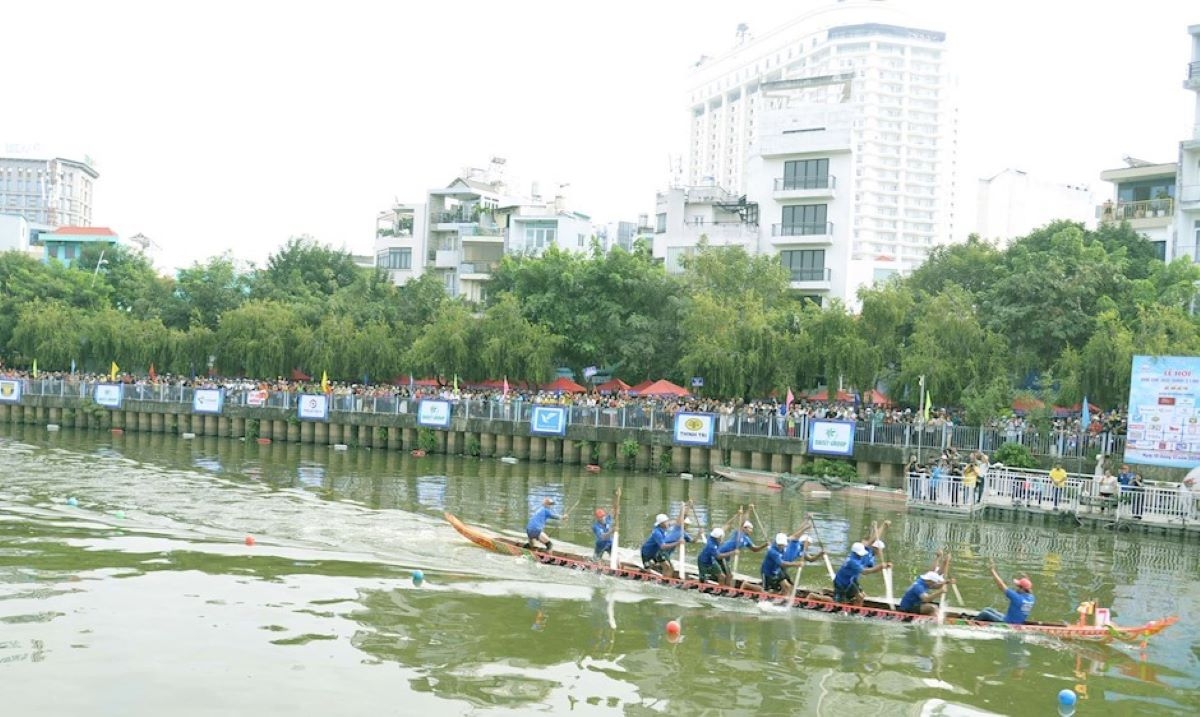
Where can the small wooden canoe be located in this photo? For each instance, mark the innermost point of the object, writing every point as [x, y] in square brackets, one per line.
[818, 601]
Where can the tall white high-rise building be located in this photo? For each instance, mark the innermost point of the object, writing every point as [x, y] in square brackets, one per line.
[884, 78]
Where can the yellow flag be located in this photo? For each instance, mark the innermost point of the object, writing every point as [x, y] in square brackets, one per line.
[112, 372]
[35, 368]
[324, 382]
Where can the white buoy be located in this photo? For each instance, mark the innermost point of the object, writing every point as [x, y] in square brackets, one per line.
[188, 436]
[508, 459]
[340, 447]
[51, 426]
[686, 476]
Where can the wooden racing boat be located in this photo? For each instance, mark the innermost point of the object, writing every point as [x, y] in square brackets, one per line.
[820, 487]
[817, 601]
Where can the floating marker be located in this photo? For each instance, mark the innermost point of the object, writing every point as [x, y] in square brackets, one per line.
[119, 514]
[72, 502]
[686, 476]
[508, 459]
[249, 540]
[51, 426]
[187, 436]
[340, 447]
[118, 431]
[673, 628]
[1066, 702]
[264, 441]
[418, 577]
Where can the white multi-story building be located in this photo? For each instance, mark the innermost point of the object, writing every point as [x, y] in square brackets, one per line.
[1013, 203]
[1187, 219]
[853, 94]
[50, 191]
[463, 230]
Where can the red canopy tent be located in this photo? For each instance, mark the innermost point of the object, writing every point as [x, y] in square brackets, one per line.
[638, 388]
[876, 398]
[1023, 404]
[613, 386]
[663, 387]
[564, 385]
[298, 375]
[839, 397]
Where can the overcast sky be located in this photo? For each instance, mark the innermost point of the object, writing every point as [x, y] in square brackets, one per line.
[234, 125]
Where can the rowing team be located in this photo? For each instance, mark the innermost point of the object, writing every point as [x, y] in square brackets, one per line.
[790, 551]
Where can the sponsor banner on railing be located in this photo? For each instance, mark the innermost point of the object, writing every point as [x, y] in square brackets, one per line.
[10, 391]
[108, 395]
[313, 407]
[695, 429]
[833, 438]
[208, 400]
[256, 398]
[433, 414]
[1164, 418]
[548, 421]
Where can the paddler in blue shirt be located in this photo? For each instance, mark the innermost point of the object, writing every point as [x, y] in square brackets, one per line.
[797, 549]
[774, 577]
[678, 534]
[535, 530]
[656, 551]
[1020, 600]
[603, 530]
[712, 563]
[845, 584]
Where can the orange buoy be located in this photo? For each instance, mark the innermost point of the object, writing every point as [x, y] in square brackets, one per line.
[264, 441]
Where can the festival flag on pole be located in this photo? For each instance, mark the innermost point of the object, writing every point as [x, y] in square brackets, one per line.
[112, 371]
[153, 374]
[788, 401]
[506, 386]
[456, 383]
[324, 382]
[35, 368]
[411, 382]
[1086, 414]
[72, 367]
[928, 404]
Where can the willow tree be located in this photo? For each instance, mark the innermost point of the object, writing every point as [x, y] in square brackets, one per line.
[260, 338]
[445, 347]
[47, 331]
[1106, 361]
[515, 347]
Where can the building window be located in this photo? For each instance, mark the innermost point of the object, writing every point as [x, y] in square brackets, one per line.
[674, 254]
[804, 220]
[806, 174]
[660, 226]
[804, 264]
[394, 259]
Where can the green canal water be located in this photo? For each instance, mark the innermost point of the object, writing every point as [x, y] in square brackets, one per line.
[143, 598]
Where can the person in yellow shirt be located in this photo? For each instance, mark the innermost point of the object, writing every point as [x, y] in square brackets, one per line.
[969, 477]
[1058, 482]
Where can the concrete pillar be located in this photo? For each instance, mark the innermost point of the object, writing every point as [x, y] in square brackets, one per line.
[143, 423]
[366, 436]
[777, 460]
[608, 452]
[570, 452]
[554, 450]
[441, 437]
[5, 412]
[714, 458]
[157, 423]
[487, 445]
[453, 443]
[537, 448]
[758, 461]
[294, 432]
[698, 461]
[335, 433]
[504, 445]
[55, 416]
[394, 438]
[410, 438]
[521, 447]
[320, 433]
[279, 430]
[210, 425]
[645, 457]
[307, 429]
[80, 419]
[237, 427]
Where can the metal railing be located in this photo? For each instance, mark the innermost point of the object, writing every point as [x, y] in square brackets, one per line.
[802, 229]
[1142, 209]
[915, 438]
[819, 274]
[785, 184]
[1161, 503]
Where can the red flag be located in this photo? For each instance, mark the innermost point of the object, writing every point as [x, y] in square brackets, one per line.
[506, 385]
[790, 398]
[153, 376]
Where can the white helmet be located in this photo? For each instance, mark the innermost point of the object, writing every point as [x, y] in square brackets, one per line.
[781, 538]
[717, 533]
[660, 518]
[858, 549]
[748, 525]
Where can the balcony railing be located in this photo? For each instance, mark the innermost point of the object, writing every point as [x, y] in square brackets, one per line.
[786, 184]
[1144, 209]
[1193, 70]
[809, 275]
[802, 229]
[479, 231]
[478, 267]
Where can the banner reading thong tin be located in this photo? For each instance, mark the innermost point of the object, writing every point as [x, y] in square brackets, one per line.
[695, 429]
[10, 391]
[1164, 421]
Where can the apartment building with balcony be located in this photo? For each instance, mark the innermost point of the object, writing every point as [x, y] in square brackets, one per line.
[854, 94]
[463, 230]
[1144, 196]
[1187, 191]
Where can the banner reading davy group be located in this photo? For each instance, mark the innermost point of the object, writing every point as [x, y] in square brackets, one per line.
[695, 429]
[1164, 420]
[208, 400]
[433, 414]
[833, 438]
[10, 391]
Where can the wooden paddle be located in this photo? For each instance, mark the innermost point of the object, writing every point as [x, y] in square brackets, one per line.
[613, 561]
[802, 558]
[941, 615]
[683, 510]
[889, 593]
[821, 545]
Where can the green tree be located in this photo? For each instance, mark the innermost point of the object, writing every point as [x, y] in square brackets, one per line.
[260, 338]
[445, 346]
[204, 292]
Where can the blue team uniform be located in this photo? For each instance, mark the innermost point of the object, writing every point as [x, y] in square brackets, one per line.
[737, 542]
[911, 602]
[677, 533]
[603, 544]
[793, 551]
[652, 549]
[1019, 606]
[537, 523]
[712, 567]
[845, 583]
[772, 568]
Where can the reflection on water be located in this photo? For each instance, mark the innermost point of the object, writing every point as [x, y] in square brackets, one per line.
[320, 613]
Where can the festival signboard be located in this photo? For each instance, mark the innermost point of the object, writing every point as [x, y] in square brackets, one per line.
[313, 407]
[832, 438]
[1164, 418]
[208, 400]
[256, 398]
[10, 390]
[109, 395]
[548, 421]
[695, 429]
[433, 413]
